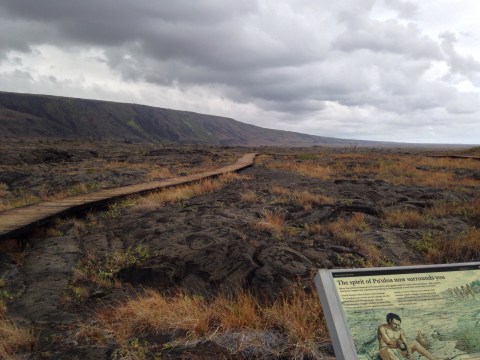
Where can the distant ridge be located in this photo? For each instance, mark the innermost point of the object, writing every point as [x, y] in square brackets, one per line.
[28, 116]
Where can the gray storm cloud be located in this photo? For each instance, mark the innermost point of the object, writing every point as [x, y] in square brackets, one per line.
[291, 58]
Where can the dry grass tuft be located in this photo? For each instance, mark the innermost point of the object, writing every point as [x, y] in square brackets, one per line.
[23, 198]
[374, 258]
[249, 196]
[159, 173]
[13, 339]
[298, 316]
[12, 248]
[153, 312]
[19, 201]
[467, 210]
[314, 229]
[236, 310]
[307, 200]
[80, 188]
[304, 168]
[77, 189]
[182, 193]
[271, 222]
[442, 209]
[346, 231]
[408, 170]
[53, 232]
[92, 334]
[448, 163]
[3, 189]
[280, 190]
[402, 169]
[410, 219]
[463, 248]
[440, 179]
[262, 159]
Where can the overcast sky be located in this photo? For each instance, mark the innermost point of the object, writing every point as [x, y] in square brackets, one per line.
[378, 70]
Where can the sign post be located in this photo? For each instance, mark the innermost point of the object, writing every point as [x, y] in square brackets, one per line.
[403, 312]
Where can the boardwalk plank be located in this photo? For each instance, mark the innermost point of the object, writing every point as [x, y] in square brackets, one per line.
[14, 222]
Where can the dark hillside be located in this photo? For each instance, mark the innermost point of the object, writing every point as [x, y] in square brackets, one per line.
[26, 116]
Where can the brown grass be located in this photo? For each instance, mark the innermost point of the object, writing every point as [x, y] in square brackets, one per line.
[149, 202]
[279, 190]
[77, 189]
[12, 248]
[249, 196]
[298, 316]
[463, 248]
[305, 199]
[346, 231]
[13, 339]
[208, 164]
[405, 170]
[159, 173]
[24, 198]
[21, 200]
[182, 193]
[3, 189]
[469, 210]
[314, 229]
[448, 163]
[396, 169]
[262, 159]
[443, 209]
[306, 168]
[271, 222]
[410, 219]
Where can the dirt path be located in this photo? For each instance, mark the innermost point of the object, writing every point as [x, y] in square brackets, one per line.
[14, 222]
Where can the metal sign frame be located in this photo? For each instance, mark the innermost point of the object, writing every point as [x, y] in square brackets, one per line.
[334, 313]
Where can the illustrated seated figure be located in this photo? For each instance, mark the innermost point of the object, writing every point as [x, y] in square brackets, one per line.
[393, 344]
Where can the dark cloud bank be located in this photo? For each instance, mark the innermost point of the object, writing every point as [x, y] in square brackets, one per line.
[314, 63]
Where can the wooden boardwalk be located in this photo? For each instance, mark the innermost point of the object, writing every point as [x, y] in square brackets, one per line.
[15, 222]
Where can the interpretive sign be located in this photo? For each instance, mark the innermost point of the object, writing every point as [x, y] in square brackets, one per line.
[410, 312]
